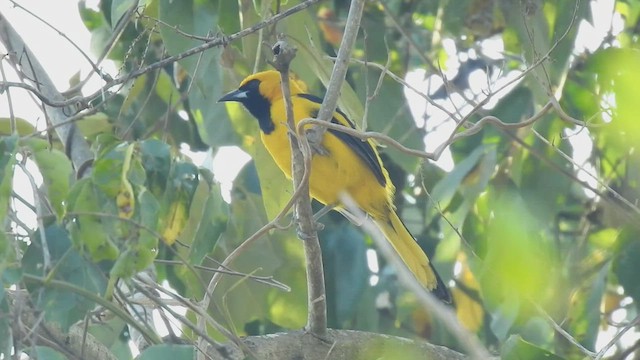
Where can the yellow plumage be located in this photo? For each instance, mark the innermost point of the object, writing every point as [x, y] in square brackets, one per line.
[351, 165]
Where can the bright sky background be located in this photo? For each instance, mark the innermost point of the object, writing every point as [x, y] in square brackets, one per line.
[62, 61]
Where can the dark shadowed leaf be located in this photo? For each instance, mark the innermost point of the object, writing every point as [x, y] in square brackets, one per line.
[346, 271]
[56, 172]
[199, 18]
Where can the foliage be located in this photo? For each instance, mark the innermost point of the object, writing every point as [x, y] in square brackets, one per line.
[526, 234]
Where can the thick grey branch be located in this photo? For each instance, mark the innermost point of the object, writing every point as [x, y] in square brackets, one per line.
[28, 327]
[345, 344]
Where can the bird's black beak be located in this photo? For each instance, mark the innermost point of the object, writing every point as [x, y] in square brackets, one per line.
[236, 95]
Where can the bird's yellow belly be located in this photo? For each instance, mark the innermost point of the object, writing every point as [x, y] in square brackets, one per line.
[339, 171]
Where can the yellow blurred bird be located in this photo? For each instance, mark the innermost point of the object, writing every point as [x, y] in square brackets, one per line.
[351, 165]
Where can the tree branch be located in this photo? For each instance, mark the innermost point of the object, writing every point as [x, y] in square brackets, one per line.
[346, 345]
[301, 164]
[338, 74]
[27, 327]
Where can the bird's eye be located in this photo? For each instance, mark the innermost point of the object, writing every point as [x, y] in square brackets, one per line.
[251, 86]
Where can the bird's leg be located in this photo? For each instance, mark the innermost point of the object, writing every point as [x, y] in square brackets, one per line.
[304, 236]
[316, 225]
[323, 211]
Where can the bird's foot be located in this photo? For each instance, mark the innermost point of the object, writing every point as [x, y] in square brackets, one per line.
[303, 235]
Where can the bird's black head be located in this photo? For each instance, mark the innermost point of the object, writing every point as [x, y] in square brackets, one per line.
[256, 93]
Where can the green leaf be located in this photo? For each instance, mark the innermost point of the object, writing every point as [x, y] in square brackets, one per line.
[168, 352]
[5, 326]
[518, 104]
[93, 125]
[312, 64]
[346, 270]
[61, 306]
[57, 171]
[211, 222]
[389, 114]
[8, 147]
[626, 266]
[618, 76]
[199, 18]
[279, 255]
[583, 318]
[23, 127]
[147, 217]
[87, 230]
[474, 182]
[563, 34]
[92, 19]
[275, 188]
[119, 8]
[107, 170]
[114, 334]
[503, 318]
[156, 157]
[178, 194]
[446, 188]
[519, 265]
[515, 348]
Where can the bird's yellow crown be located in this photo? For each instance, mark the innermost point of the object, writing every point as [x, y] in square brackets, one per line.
[270, 87]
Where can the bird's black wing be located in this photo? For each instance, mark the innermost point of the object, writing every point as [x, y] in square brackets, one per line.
[361, 147]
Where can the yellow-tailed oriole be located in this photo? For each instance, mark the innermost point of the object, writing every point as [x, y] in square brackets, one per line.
[351, 165]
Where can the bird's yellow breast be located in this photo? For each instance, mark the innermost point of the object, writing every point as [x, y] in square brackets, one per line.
[341, 170]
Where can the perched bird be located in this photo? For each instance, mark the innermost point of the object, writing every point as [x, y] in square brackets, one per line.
[350, 165]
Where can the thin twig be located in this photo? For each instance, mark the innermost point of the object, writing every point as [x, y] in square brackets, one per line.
[564, 333]
[267, 280]
[162, 303]
[211, 42]
[617, 337]
[94, 66]
[39, 204]
[12, 117]
[28, 66]
[149, 334]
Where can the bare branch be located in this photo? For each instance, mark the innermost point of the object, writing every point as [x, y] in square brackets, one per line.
[339, 72]
[307, 228]
[347, 345]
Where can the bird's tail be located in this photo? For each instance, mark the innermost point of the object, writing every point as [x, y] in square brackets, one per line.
[410, 252]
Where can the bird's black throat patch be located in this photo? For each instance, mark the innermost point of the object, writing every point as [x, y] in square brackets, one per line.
[258, 105]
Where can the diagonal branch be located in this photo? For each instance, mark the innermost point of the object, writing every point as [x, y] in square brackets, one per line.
[339, 73]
